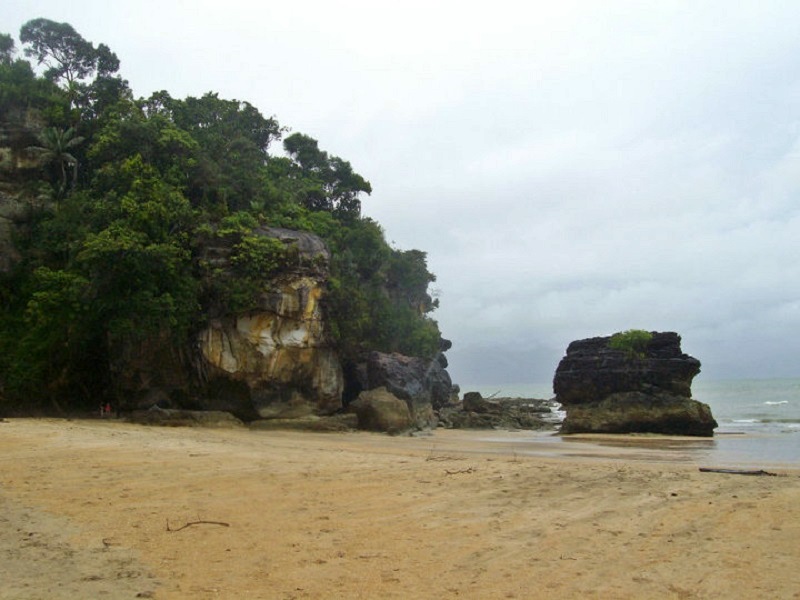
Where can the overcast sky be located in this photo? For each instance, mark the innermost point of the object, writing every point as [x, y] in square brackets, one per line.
[572, 169]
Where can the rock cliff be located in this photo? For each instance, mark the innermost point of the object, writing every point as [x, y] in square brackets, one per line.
[12, 213]
[605, 390]
[280, 354]
[275, 361]
[17, 164]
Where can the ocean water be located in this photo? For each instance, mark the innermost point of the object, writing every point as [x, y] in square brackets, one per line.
[759, 420]
[752, 405]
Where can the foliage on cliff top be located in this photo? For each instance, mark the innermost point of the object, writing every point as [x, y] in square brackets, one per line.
[633, 342]
[123, 196]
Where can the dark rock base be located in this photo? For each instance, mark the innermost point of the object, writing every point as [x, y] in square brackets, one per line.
[636, 412]
[184, 418]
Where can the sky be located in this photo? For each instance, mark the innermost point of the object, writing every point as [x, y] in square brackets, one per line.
[571, 168]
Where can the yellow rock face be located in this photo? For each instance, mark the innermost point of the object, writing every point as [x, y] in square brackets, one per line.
[285, 350]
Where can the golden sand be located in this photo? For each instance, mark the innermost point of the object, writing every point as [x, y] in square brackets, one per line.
[102, 509]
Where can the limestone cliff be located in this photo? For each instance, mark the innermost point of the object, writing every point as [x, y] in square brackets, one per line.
[280, 353]
[274, 361]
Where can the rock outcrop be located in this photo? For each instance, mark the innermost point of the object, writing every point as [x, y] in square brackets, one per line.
[278, 356]
[17, 164]
[424, 385]
[184, 418]
[477, 412]
[604, 390]
[275, 361]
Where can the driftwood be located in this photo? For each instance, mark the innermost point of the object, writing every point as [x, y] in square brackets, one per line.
[190, 523]
[738, 471]
[461, 471]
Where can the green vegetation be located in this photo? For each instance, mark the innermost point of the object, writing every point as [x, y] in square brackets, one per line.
[123, 196]
[633, 342]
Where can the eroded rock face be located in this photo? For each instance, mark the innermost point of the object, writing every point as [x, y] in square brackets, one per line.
[609, 391]
[409, 377]
[281, 355]
[273, 362]
[277, 360]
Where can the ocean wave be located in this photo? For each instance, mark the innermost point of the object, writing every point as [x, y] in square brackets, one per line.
[768, 403]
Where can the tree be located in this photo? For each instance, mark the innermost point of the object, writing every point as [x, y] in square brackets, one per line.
[47, 354]
[7, 49]
[234, 137]
[23, 93]
[166, 188]
[138, 261]
[107, 61]
[54, 147]
[129, 131]
[408, 279]
[67, 55]
[329, 182]
[69, 58]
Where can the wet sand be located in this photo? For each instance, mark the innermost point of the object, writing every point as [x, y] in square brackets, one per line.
[102, 509]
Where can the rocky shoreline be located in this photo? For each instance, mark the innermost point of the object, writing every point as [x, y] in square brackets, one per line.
[382, 412]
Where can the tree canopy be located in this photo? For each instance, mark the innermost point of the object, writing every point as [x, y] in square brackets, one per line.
[122, 193]
[68, 57]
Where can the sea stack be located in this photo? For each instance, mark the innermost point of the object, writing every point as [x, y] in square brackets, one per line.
[631, 382]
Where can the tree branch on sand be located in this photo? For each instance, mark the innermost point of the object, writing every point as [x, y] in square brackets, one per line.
[199, 522]
[738, 471]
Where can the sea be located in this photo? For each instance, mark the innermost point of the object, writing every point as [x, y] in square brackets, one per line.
[759, 420]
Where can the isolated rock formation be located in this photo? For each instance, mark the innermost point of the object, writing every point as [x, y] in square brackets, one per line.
[604, 390]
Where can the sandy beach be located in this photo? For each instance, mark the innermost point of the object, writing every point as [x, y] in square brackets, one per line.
[102, 509]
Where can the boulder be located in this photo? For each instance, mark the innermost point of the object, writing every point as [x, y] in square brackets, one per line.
[423, 384]
[604, 390]
[381, 410]
[418, 380]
